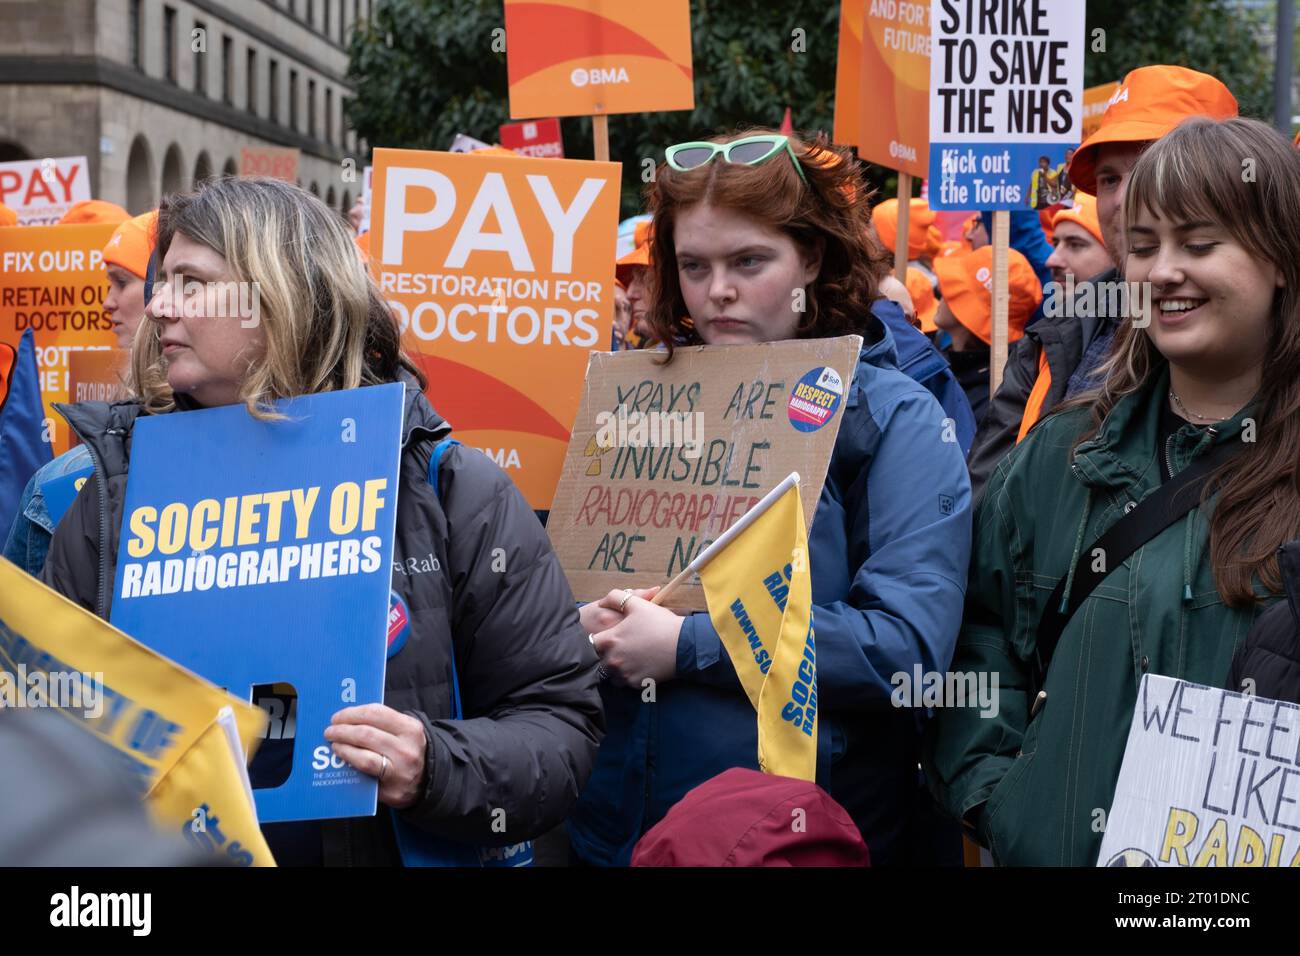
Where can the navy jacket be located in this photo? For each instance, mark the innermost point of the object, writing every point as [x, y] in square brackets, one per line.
[889, 548]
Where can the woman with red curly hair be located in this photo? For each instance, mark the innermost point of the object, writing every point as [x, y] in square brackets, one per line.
[760, 237]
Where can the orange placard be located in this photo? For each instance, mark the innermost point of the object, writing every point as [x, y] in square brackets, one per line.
[500, 270]
[894, 86]
[277, 162]
[52, 281]
[1095, 101]
[98, 376]
[588, 57]
[847, 73]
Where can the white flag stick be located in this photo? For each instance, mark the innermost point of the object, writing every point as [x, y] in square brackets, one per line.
[724, 539]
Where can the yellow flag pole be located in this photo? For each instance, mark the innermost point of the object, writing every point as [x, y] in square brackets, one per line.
[724, 539]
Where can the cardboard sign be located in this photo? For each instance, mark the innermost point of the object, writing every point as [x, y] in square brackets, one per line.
[1210, 778]
[584, 57]
[663, 459]
[895, 86]
[1095, 101]
[261, 552]
[52, 280]
[500, 271]
[277, 162]
[537, 138]
[97, 376]
[40, 191]
[144, 706]
[1006, 94]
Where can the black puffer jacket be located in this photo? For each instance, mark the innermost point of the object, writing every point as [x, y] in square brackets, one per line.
[476, 570]
[1270, 654]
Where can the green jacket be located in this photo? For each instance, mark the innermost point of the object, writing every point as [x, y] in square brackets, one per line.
[1047, 784]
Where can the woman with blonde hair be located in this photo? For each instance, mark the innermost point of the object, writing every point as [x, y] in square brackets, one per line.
[1136, 531]
[261, 296]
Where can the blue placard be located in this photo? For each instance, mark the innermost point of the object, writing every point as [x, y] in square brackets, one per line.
[62, 491]
[260, 552]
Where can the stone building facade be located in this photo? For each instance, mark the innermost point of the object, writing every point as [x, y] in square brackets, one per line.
[159, 94]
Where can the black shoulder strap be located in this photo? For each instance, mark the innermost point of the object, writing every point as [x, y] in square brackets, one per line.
[1162, 508]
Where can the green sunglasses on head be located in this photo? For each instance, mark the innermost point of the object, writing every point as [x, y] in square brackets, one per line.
[749, 151]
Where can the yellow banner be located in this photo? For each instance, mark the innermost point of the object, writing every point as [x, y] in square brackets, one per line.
[759, 593]
[205, 796]
[149, 709]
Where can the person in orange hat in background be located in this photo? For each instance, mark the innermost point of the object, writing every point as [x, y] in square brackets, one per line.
[924, 301]
[90, 211]
[1080, 251]
[7, 216]
[923, 238]
[633, 272]
[966, 313]
[126, 260]
[1059, 355]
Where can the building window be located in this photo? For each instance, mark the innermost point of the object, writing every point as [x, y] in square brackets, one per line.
[311, 108]
[273, 82]
[227, 55]
[251, 77]
[311, 13]
[341, 24]
[199, 43]
[134, 39]
[169, 43]
[293, 100]
[329, 116]
[355, 8]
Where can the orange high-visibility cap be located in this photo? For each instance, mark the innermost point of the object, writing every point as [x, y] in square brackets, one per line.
[7, 216]
[640, 254]
[1149, 103]
[923, 237]
[93, 210]
[926, 303]
[1082, 213]
[967, 286]
[132, 243]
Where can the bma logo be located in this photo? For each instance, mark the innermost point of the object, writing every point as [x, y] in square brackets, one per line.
[323, 758]
[598, 76]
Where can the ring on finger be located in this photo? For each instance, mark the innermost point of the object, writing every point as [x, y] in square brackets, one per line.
[623, 603]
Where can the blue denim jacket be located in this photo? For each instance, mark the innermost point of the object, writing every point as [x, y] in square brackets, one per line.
[29, 538]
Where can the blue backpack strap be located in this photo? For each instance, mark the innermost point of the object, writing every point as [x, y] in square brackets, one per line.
[418, 848]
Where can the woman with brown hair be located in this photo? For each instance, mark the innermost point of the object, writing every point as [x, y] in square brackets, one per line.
[760, 238]
[1097, 558]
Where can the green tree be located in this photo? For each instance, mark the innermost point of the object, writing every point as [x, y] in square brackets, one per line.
[425, 70]
[1213, 36]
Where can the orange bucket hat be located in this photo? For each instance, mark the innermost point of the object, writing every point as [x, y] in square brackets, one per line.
[92, 211]
[132, 243]
[1149, 103]
[923, 237]
[967, 286]
[7, 216]
[639, 256]
[1082, 213]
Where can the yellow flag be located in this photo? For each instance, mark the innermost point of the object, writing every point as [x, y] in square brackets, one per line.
[54, 653]
[205, 796]
[759, 593]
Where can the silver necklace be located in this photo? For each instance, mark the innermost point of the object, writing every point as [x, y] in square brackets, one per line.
[1188, 412]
